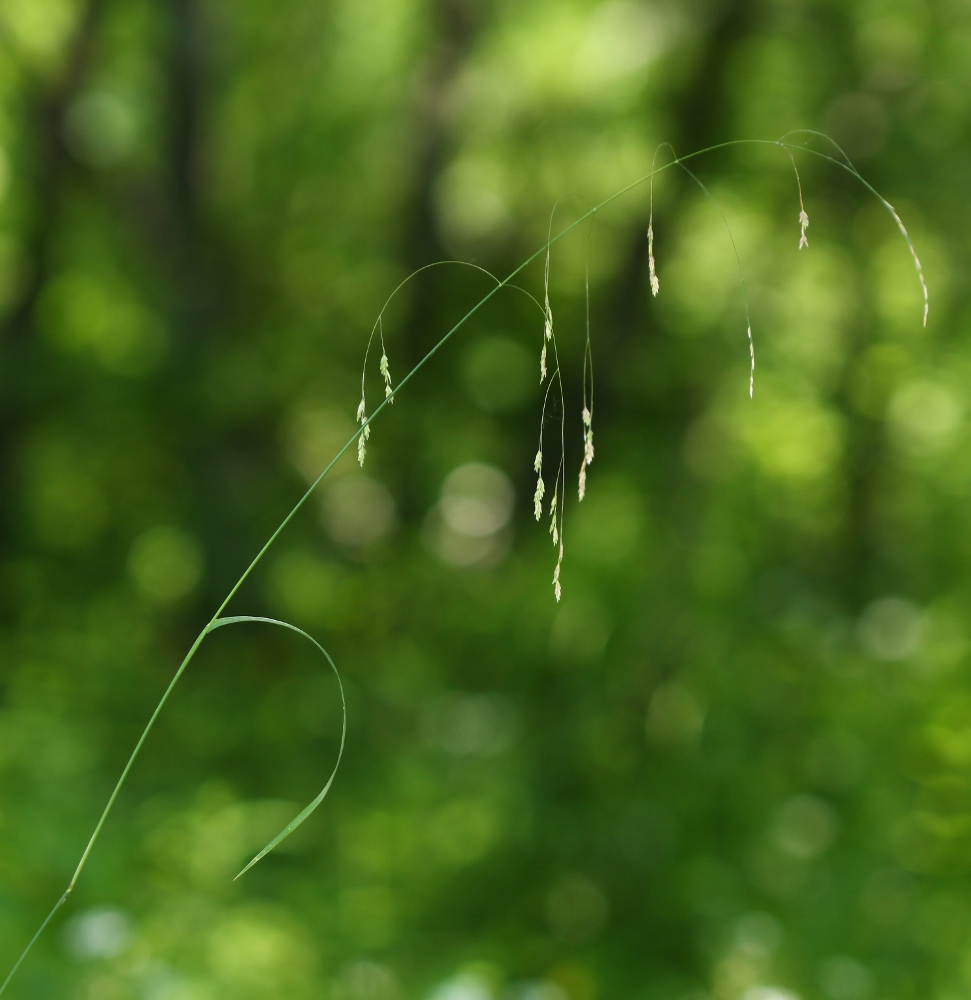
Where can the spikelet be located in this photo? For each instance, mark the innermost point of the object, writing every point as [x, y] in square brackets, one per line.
[547, 311]
[803, 217]
[540, 491]
[554, 530]
[547, 334]
[651, 266]
[547, 314]
[557, 588]
[538, 497]
[387, 375]
[751, 354]
[913, 253]
[362, 445]
[365, 433]
[587, 450]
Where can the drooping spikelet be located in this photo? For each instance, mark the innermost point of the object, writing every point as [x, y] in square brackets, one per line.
[540, 491]
[387, 375]
[554, 529]
[587, 450]
[547, 312]
[651, 266]
[547, 337]
[913, 253]
[362, 445]
[538, 497]
[365, 433]
[803, 217]
[751, 354]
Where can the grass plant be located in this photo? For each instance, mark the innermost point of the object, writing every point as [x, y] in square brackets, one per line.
[798, 142]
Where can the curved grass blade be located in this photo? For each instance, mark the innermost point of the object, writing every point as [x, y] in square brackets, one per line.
[304, 813]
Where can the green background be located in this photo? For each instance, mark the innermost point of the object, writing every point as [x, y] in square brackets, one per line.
[734, 763]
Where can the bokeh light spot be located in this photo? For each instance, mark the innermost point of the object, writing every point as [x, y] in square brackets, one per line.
[165, 564]
[891, 628]
[805, 827]
[98, 933]
[359, 512]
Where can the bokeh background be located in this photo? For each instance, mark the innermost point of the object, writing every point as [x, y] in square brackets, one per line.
[734, 763]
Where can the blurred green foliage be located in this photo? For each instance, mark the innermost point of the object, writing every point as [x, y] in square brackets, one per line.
[735, 762]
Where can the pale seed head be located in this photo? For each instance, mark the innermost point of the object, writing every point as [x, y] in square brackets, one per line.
[651, 266]
[557, 589]
[386, 372]
[751, 352]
